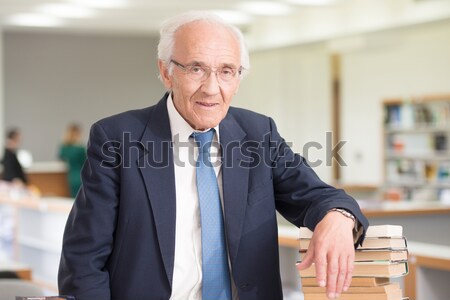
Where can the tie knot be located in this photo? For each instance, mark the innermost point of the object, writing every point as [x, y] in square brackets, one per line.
[203, 139]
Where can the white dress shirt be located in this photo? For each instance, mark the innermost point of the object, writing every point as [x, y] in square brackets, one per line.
[187, 275]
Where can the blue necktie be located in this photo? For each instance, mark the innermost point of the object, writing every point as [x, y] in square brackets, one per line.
[216, 275]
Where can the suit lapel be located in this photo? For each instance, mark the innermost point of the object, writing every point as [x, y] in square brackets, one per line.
[159, 179]
[235, 181]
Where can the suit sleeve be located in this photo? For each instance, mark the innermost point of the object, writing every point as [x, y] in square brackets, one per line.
[88, 236]
[301, 197]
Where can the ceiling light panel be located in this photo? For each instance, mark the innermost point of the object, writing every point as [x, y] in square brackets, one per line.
[66, 10]
[234, 17]
[33, 20]
[265, 8]
[101, 3]
[312, 2]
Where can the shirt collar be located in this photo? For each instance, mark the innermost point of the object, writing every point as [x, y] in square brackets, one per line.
[179, 126]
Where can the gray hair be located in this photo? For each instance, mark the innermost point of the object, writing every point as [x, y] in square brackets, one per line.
[170, 27]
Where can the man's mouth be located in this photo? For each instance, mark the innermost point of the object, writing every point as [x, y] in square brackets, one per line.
[206, 104]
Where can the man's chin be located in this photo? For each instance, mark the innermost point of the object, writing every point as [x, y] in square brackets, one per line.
[206, 124]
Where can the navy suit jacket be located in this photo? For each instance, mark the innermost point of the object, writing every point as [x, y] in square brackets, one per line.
[119, 241]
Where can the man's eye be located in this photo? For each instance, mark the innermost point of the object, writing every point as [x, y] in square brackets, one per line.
[227, 71]
[196, 69]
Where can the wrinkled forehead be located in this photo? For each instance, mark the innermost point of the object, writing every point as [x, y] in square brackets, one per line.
[206, 41]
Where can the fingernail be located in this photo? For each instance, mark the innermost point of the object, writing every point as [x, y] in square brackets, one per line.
[337, 295]
[322, 283]
[345, 288]
[331, 295]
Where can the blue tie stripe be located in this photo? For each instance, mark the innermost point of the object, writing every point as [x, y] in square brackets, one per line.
[216, 274]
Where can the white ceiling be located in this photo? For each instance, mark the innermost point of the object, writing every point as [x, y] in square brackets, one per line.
[302, 23]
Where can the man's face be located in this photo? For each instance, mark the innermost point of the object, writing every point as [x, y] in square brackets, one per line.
[203, 104]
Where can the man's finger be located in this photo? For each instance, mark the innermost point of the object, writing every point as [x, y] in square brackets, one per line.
[342, 275]
[321, 270]
[332, 275]
[307, 261]
[348, 279]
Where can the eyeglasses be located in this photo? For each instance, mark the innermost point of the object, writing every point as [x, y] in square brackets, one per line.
[200, 73]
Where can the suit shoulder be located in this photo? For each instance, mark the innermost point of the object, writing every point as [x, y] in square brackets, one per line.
[242, 113]
[251, 120]
[128, 119]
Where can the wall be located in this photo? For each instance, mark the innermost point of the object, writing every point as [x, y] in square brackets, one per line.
[53, 79]
[293, 86]
[397, 63]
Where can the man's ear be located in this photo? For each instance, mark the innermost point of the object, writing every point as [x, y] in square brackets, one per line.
[164, 74]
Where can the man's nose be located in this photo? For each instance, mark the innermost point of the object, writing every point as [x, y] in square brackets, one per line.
[211, 85]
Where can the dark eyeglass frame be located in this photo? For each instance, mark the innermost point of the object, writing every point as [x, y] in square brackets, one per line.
[208, 70]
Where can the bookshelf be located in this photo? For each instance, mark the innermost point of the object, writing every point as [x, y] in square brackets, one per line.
[416, 137]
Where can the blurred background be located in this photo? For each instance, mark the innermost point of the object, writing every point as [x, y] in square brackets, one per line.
[361, 88]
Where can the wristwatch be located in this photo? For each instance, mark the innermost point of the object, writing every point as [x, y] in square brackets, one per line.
[344, 212]
[357, 229]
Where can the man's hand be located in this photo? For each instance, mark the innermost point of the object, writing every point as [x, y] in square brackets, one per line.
[332, 250]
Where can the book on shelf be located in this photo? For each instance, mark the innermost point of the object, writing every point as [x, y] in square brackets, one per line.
[409, 115]
[440, 141]
[368, 269]
[393, 116]
[393, 295]
[357, 281]
[397, 243]
[373, 255]
[381, 289]
[372, 231]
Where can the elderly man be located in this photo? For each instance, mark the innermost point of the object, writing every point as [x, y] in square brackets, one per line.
[179, 199]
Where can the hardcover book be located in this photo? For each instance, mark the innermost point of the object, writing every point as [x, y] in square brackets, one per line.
[372, 231]
[374, 255]
[382, 289]
[368, 269]
[357, 281]
[394, 295]
[397, 243]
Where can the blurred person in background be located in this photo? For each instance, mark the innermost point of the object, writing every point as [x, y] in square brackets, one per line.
[12, 169]
[74, 154]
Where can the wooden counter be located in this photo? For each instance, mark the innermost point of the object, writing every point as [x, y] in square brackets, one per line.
[399, 209]
[50, 178]
[22, 270]
[427, 222]
[429, 256]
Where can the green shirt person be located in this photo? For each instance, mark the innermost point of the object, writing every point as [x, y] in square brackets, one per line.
[74, 154]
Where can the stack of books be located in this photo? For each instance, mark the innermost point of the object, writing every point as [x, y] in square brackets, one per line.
[382, 256]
